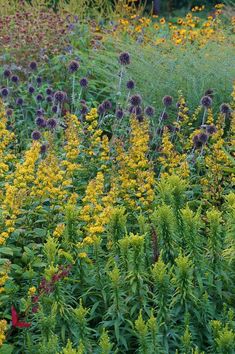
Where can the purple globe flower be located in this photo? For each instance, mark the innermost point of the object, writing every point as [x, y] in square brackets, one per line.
[119, 113]
[73, 66]
[203, 137]
[135, 110]
[149, 111]
[54, 109]
[84, 110]
[60, 96]
[36, 135]
[39, 80]
[164, 116]
[33, 65]
[4, 92]
[9, 112]
[101, 109]
[124, 58]
[19, 101]
[206, 101]
[225, 108]
[49, 91]
[211, 129]
[140, 118]
[167, 101]
[196, 142]
[15, 79]
[7, 73]
[31, 89]
[49, 98]
[39, 97]
[130, 85]
[107, 105]
[41, 122]
[83, 82]
[52, 123]
[135, 100]
[43, 148]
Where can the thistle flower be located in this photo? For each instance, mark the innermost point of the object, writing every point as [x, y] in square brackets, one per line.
[225, 108]
[54, 109]
[140, 118]
[9, 112]
[196, 142]
[135, 110]
[149, 111]
[83, 82]
[135, 100]
[73, 66]
[101, 109]
[107, 105]
[49, 91]
[49, 98]
[211, 129]
[130, 85]
[15, 79]
[206, 101]
[124, 58]
[167, 101]
[7, 73]
[43, 148]
[119, 113]
[33, 65]
[51, 123]
[40, 112]
[60, 96]
[31, 89]
[41, 122]
[39, 97]
[19, 101]
[203, 137]
[84, 110]
[39, 80]
[4, 92]
[36, 135]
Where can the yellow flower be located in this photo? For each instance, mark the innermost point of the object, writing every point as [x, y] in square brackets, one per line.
[32, 291]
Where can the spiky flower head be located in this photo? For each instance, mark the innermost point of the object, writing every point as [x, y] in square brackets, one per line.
[206, 101]
[135, 100]
[140, 118]
[60, 96]
[52, 123]
[39, 97]
[39, 80]
[40, 112]
[4, 92]
[33, 65]
[83, 82]
[49, 91]
[84, 109]
[107, 105]
[73, 66]
[149, 111]
[31, 89]
[124, 58]
[119, 113]
[7, 73]
[54, 109]
[101, 109]
[15, 79]
[43, 148]
[196, 142]
[36, 135]
[211, 129]
[49, 98]
[225, 108]
[41, 122]
[130, 85]
[203, 137]
[19, 101]
[164, 116]
[135, 110]
[167, 101]
[9, 112]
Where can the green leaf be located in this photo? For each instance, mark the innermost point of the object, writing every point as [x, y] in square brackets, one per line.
[6, 250]
[6, 349]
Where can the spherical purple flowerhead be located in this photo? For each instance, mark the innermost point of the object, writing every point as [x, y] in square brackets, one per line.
[124, 58]
[51, 123]
[101, 109]
[40, 121]
[54, 109]
[167, 101]
[196, 142]
[19, 101]
[7, 73]
[33, 65]
[135, 110]
[31, 89]
[36, 135]
[49, 98]
[15, 79]
[39, 80]
[84, 109]
[43, 148]
[140, 118]
[149, 111]
[130, 85]
[40, 112]
[164, 116]
[49, 91]
[4, 92]
[73, 66]
[135, 100]
[206, 101]
[60, 96]
[39, 97]
[119, 113]
[209, 92]
[225, 108]
[211, 129]
[9, 112]
[203, 137]
[107, 105]
[83, 82]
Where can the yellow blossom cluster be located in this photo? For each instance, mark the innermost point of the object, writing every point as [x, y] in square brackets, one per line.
[59, 230]
[17, 189]
[6, 137]
[3, 328]
[93, 133]
[135, 173]
[171, 161]
[32, 291]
